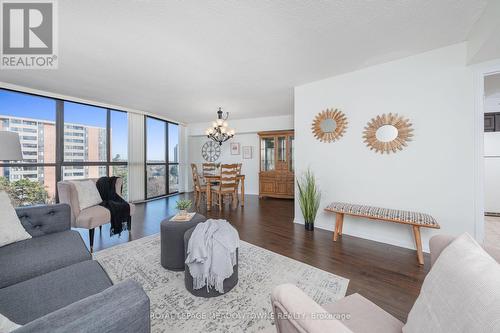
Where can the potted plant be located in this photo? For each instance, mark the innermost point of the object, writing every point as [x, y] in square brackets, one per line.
[309, 198]
[182, 206]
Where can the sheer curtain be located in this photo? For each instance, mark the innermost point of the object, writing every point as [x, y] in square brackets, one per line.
[136, 156]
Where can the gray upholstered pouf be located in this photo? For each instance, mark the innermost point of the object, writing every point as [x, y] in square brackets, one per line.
[172, 241]
[229, 283]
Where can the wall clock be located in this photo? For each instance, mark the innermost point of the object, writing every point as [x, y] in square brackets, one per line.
[210, 151]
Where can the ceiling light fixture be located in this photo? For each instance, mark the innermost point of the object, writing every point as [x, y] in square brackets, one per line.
[220, 132]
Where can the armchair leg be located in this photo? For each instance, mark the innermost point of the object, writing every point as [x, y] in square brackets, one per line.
[91, 240]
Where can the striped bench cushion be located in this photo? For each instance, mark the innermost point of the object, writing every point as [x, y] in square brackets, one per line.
[396, 215]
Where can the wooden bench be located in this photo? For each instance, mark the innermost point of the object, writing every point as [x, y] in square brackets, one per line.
[416, 220]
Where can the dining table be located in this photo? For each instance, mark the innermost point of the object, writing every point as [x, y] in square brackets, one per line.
[214, 178]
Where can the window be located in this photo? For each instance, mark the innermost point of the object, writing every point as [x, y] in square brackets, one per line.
[94, 143]
[119, 136]
[87, 124]
[156, 142]
[162, 158]
[34, 115]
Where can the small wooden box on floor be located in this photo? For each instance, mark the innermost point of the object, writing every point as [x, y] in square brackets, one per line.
[276, 175]
[416, 220]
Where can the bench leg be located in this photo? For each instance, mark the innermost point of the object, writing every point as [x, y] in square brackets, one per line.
[418, 244]
[339, 221]
[341, 227]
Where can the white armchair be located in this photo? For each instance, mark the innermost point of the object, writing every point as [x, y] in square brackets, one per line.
[91, 217]
[294, 310]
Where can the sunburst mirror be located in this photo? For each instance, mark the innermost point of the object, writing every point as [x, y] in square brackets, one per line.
[329, 125]
[388, 133]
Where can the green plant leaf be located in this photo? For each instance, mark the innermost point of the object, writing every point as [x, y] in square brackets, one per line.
[309, 196]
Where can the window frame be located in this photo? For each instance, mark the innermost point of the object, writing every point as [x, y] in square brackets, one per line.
[167, 162]
[59, 138]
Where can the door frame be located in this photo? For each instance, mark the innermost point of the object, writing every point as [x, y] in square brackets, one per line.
[480, 71]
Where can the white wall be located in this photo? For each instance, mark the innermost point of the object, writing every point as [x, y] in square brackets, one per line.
[434, 174]
[246, 135]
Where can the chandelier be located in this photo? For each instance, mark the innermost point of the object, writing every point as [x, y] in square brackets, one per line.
[220, 132]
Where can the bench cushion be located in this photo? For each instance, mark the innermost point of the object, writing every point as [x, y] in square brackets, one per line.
[395, 215]
[34, 298]
[26, 259]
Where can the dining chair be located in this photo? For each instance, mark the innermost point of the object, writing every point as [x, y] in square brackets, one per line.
[238, 169]
[198, 186]
[228, 184]
[210, 169]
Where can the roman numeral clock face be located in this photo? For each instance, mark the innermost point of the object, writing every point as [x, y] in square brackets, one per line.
[210, 151]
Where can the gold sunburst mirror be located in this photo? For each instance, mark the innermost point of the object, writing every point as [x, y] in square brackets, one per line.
[329, 125]
[388, 133]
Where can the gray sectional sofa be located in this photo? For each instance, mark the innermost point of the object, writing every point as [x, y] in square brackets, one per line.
[50, 283]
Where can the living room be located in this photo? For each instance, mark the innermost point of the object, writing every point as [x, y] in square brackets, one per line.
[249, 166]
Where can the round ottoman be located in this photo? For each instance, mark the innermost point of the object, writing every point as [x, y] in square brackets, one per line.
[172, 241]
[229, 283]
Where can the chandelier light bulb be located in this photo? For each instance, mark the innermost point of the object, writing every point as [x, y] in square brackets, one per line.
[220, 131]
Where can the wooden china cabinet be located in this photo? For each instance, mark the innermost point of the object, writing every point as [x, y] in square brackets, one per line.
[276, 175]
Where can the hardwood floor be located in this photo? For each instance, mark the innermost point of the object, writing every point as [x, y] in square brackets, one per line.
[387, 275]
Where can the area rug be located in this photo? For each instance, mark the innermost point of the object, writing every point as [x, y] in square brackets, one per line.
[246, 308]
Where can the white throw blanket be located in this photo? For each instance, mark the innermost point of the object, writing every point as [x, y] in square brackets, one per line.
[211, 253]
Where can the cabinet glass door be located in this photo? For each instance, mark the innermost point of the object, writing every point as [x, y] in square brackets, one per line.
[282, 149]
[267, 150]
[291, 149]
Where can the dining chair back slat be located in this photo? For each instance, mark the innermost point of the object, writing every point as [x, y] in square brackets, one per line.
[209, 168]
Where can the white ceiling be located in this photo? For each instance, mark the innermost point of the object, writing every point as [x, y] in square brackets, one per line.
[184, 58]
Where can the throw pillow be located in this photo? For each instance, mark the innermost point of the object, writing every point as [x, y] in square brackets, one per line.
[6, 325]
[11, 229]
[461, 293]
[88, 195]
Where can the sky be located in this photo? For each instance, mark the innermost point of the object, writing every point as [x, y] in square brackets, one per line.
[30, 106]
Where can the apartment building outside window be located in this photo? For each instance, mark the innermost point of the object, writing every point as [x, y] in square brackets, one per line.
[84, 150]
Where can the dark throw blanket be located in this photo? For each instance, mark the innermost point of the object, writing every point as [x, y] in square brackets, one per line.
[119, 208]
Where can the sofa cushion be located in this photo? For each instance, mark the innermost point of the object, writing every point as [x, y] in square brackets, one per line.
[11, 229]
[34, 298]
[45, 219]
[461, 293]
[296, 312]
[364, 316]
[29, 258]
[122, 308]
